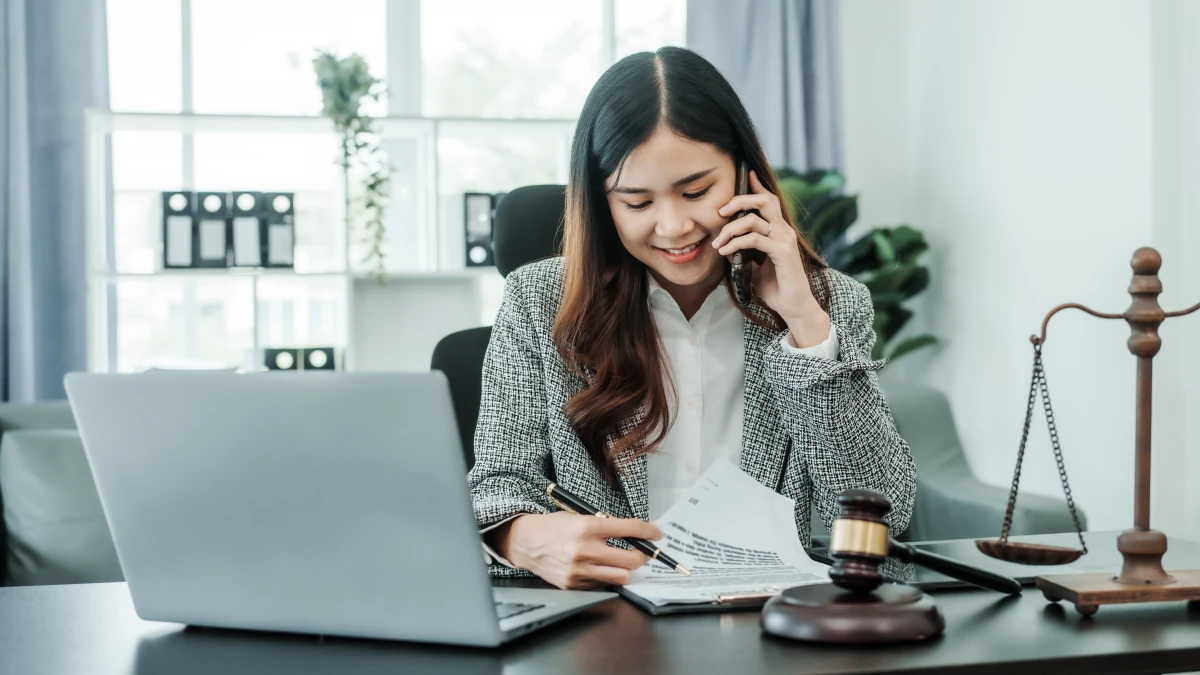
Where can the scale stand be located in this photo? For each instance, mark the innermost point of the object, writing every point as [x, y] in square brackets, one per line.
[1142, 577]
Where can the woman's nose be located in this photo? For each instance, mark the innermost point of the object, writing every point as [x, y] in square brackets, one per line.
[672, 223]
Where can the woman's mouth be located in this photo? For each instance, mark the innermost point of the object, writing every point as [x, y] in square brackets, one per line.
[683, 255]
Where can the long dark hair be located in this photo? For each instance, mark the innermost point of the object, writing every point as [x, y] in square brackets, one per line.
[604, 329]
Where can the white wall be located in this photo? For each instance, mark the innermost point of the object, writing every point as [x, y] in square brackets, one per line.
[1023, 137]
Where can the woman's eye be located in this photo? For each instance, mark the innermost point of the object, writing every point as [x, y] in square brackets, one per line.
[689, 195]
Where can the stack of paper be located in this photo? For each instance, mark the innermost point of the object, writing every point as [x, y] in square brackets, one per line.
[736, 536]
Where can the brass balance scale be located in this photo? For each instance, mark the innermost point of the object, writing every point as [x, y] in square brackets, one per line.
[1142, 577]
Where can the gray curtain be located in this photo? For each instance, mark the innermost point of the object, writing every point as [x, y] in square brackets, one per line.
[782, 58]
[53, 64]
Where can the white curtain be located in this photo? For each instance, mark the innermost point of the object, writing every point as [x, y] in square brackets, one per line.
[781, 56]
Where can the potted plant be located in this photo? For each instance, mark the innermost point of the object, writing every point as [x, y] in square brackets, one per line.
[886, 259]
[346, 83]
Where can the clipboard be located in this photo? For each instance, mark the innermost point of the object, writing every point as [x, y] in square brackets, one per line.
[737, 602]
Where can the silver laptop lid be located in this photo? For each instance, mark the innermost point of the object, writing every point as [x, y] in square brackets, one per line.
[312, 502]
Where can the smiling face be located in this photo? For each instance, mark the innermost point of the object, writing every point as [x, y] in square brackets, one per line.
[665, 208]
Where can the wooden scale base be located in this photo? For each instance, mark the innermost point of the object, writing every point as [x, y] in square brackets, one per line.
[1089, 591]
[1142, 578]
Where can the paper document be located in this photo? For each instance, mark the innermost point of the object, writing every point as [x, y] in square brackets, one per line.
[736, 536]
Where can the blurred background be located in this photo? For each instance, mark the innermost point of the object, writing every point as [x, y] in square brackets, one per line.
[980, 162]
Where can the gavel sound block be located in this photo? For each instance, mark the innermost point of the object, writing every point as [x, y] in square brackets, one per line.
[858, 607]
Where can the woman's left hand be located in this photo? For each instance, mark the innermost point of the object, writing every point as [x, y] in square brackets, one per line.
[781, 280]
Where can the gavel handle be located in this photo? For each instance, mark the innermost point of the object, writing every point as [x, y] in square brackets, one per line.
[954, 568]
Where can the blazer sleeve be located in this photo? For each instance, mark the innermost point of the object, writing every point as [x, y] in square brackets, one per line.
[837, 417]
[512, 448]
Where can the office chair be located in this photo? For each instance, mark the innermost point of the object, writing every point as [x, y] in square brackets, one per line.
[527, 228]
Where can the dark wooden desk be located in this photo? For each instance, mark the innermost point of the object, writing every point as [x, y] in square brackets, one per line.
[64, 630]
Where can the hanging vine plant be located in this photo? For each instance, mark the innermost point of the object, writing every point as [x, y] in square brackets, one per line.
[346, 84]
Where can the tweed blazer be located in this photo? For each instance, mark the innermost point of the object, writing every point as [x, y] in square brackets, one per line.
[812, 427]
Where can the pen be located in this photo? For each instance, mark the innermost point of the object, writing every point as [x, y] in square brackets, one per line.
[570, 502]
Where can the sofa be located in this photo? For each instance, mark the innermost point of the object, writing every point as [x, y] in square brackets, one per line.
[54, 532]
[53, 528]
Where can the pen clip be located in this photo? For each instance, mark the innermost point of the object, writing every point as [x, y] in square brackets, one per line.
[550, 494]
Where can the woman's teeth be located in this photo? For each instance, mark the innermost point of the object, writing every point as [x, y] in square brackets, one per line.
[680, 251]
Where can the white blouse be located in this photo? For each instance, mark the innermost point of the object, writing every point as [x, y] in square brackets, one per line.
[708, 363]
[706, 359]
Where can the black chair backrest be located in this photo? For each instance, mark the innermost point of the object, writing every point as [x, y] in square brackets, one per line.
[527, 227]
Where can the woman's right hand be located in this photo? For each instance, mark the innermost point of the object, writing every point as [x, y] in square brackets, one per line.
[571, 551]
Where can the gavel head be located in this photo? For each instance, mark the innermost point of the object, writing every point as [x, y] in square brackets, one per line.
[858, 540]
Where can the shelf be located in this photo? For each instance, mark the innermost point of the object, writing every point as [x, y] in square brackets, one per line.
[466, 273]
[106, 121]
[183, 312]
[217, 272]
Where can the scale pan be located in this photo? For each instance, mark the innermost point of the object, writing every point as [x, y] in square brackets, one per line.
[1028, 554]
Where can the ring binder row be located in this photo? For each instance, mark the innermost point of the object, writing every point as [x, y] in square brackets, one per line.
[228, 229]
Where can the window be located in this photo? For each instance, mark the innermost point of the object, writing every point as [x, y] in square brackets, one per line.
[255, 56]
[145, 65]
[478, 58]
[646, 25]
[536, 58]
[500, 84]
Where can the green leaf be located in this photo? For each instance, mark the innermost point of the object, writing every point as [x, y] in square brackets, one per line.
[908, 243]
[857, 258]
[889, 279]
[831, 223]
[894, 321]
[912, 344]
[915, 282]
[785, 172]
[886, 299]
[884, 253]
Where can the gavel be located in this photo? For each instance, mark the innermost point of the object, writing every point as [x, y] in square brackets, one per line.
[859, 543]
[858, 607]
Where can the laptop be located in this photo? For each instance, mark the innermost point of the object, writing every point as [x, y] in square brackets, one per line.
[327, 503]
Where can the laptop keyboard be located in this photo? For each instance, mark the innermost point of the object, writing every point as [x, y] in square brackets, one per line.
[507, 610]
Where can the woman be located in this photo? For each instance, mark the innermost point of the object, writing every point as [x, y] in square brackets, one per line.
[624, 368]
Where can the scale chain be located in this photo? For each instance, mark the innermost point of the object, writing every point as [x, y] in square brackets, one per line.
[1012, 495]
[1038, 380]
[1040, 373]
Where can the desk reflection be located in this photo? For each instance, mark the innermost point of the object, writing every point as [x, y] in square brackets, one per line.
[197, 651]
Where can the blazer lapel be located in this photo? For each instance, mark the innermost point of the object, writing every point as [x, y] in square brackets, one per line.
[763, 439]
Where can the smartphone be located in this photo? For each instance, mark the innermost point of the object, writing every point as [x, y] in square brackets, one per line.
[740, 267]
